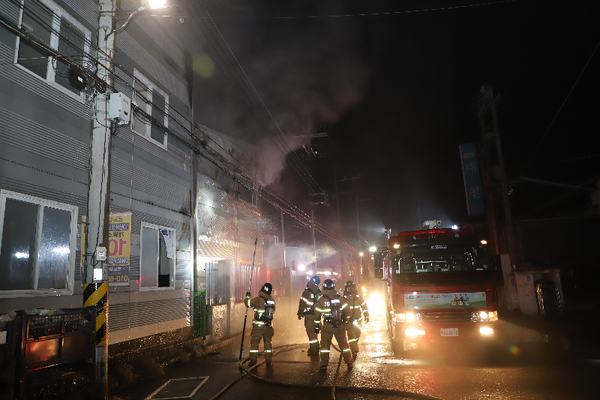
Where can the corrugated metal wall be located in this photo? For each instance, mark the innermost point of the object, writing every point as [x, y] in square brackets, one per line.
[44, 152]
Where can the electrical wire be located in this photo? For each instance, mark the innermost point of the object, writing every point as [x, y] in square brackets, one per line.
[389, 13]
[533, 153]
[275, 200]
[560, 198]
[280, 140]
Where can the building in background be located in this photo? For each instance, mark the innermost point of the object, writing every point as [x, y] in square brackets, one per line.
[184, 217]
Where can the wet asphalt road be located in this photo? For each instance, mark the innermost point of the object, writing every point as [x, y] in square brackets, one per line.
[517, 370]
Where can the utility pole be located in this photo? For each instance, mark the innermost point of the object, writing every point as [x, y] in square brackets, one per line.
[339, 219]
[488, 196]
[282, 243]
[489, 99]
[312, 218]
[357, 222]
[95, 256]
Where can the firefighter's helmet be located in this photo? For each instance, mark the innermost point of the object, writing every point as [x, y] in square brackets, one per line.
[267, 288]
[328, 284]
[349, 286]
[315, 280]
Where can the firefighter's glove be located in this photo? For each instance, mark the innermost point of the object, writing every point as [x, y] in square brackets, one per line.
[299, 317]
[317, 330]
[366, 319]
[247, 302]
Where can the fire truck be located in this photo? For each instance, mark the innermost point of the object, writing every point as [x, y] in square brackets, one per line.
[439, 287]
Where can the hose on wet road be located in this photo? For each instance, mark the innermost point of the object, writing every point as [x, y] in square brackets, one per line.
[333, 389]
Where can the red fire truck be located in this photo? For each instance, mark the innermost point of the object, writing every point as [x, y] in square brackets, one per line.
[440, 287]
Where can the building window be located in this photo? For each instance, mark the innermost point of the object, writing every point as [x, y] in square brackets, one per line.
[216, 282]
[151, 122]
[37, 250]
[45, 22]
[157, 261]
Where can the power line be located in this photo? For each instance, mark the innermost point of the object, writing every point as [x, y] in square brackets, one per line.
[280, 141]
[384, 13]
[191, 141]
[560, 109]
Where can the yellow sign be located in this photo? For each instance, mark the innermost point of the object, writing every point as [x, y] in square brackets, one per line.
[119, 247]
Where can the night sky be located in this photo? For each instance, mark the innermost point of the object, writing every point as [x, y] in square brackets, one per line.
[395, 85]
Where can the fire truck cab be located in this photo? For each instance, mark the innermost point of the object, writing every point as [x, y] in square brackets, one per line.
[439, 287]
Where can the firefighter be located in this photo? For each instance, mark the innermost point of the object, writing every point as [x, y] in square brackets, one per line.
[335, 312]
[358, 308]
[306, 308]
[262, 328]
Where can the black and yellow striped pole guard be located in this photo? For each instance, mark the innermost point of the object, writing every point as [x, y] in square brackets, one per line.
[96, 295]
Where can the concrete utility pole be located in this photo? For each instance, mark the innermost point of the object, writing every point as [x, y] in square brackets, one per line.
[323, 202]
[490, 204]
[489, 99]
[282, 243]
[98, 203]
[312, 218]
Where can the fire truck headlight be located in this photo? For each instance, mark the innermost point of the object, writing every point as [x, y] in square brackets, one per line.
[486, 330]
[484, 316]
[407, 317]
[414, 332]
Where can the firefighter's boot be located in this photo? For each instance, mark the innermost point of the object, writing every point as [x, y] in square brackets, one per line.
[313, 350]
[253, 359]
[348, 358]
[269, 358]
[324, 359]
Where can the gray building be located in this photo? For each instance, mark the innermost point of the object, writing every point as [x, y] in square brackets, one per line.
[184, 217]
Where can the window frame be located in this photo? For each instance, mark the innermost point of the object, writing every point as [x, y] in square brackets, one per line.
[173, 263]
[8, 194]
[151, 88]
[58, 15]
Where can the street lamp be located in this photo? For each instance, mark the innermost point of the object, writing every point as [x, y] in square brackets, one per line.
[146, 5]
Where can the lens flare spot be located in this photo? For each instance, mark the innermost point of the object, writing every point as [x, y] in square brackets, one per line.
[204, 65]
[516, 350]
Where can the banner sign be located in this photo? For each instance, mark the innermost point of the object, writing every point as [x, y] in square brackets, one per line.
[419, 301]
[472, 180]
[119, 248]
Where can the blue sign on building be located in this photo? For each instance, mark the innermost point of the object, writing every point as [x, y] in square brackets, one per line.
[473, 189]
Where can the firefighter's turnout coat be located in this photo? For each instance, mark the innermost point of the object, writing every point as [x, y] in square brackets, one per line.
[306, 308]
[262, 327]
[358, 307]
[323, 310]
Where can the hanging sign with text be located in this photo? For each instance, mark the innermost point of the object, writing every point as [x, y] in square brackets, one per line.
[119, 248]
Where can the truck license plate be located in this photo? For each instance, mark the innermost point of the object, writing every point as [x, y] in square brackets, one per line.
[448, 331]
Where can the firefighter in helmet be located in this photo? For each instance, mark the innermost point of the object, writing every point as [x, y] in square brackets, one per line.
[306, 307]
[262, 328]
[335, 312]
[358, 308]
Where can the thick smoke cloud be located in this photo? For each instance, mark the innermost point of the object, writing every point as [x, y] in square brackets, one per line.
[296, 76]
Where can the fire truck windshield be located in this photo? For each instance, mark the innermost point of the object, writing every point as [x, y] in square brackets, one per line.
[420, 261]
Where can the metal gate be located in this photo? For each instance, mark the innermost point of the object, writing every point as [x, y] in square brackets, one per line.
[200, 308]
